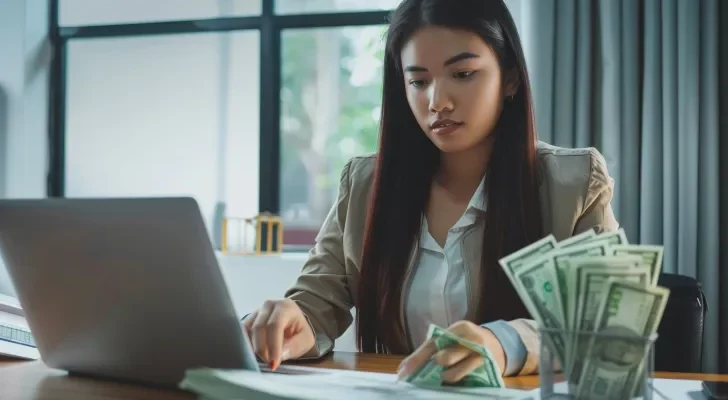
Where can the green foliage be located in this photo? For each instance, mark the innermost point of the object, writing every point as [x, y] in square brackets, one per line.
[298, 68]
[360, 90]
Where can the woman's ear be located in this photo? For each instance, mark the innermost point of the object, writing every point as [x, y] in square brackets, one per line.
[511, 82]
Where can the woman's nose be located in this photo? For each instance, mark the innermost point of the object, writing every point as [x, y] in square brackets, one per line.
[440, 99]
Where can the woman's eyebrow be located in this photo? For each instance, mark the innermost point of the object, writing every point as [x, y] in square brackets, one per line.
[452, 60]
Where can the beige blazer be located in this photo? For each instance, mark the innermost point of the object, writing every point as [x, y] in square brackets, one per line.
[575, 190]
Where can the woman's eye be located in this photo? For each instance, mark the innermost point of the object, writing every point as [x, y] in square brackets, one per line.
[464, 74]
[418, 83]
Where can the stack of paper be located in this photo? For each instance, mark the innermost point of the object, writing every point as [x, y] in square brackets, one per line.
[215, 384]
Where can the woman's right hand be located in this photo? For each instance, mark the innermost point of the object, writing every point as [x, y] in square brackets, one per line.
[279, 331]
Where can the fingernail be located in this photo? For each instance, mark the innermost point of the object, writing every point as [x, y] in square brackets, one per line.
[285, 354]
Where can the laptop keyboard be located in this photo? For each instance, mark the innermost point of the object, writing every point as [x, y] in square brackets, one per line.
[17, 335]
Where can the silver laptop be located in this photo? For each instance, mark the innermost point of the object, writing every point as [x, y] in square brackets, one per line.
[126, 289]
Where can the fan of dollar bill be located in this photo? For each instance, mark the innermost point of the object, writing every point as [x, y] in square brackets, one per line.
[599, 285]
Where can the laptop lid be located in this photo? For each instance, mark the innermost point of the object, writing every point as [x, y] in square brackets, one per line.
[128, 289]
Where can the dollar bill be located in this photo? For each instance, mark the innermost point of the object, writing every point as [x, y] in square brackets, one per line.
[430, 374]
[566, 285]
[651, 256]
[513, 262]
[630, 313]
[612, 237]
[592, 291]
[561, 257]
[573, 277]
[540, 286]
[576, 239]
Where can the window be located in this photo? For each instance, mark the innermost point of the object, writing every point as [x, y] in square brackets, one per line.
[326, 6]
[330, 105]
[174, 115]
[100, 12]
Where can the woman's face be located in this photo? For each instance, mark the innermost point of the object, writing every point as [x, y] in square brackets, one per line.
[454, 86]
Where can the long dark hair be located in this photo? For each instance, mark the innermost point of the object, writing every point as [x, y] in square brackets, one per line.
[406, 164]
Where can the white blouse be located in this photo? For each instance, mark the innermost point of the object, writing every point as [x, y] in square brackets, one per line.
[438, 290]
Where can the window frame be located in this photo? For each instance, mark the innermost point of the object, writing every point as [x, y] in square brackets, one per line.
[270, 26]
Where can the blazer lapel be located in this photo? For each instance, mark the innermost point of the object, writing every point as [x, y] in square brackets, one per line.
[471, 249]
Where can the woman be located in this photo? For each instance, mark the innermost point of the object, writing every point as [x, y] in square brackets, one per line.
[406, 242]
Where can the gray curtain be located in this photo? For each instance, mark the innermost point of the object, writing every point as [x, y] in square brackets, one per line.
[639, 80]
[723, 127]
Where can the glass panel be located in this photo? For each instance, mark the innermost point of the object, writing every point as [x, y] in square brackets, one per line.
[330, 105]
[166, 116]
[326, 6]
[104, 12]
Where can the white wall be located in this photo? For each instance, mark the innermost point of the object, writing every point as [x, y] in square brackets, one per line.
[254, 279]
[24, 67]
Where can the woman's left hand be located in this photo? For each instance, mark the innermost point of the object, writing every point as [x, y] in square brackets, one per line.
[458, 360]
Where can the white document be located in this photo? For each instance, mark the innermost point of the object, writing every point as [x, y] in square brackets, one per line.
[662, 389]
[331, 384]
[677, 389]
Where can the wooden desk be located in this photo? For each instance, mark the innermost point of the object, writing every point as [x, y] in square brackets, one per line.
[34, 381]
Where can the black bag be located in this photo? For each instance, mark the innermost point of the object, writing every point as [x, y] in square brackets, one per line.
[679, 346]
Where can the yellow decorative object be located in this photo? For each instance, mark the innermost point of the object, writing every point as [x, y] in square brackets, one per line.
[267, 227]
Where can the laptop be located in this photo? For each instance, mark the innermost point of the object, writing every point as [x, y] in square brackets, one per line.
[124, 289]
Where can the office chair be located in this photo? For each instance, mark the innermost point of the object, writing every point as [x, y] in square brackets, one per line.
[679, 346]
